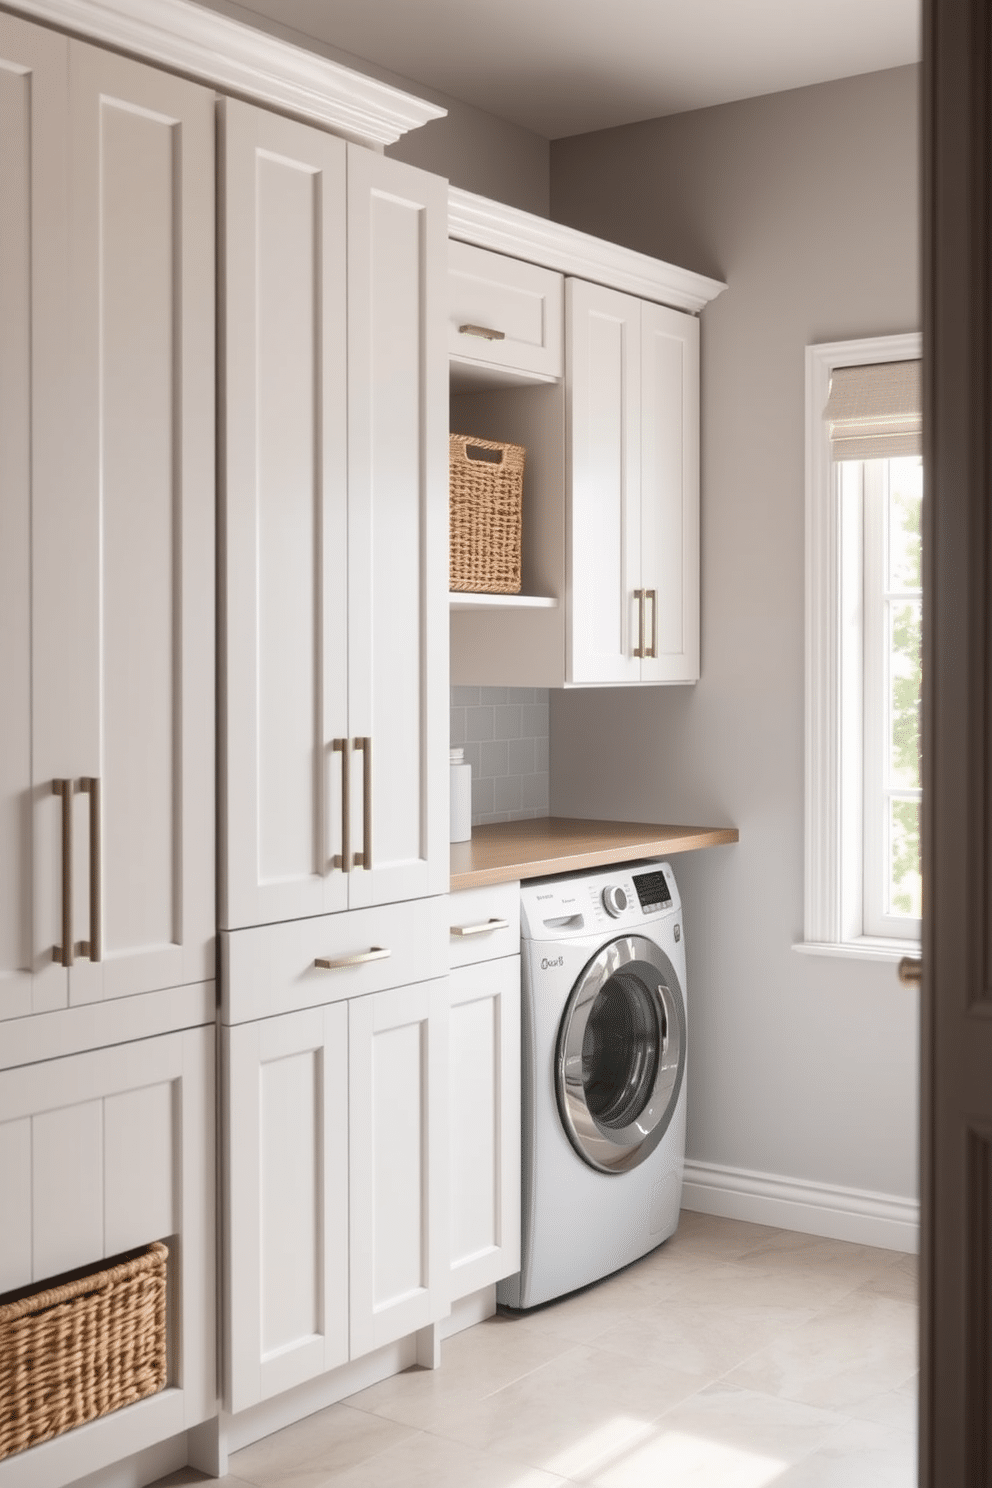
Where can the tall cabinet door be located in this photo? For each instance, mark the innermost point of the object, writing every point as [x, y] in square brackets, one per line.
[284, 710]
[606, 616]
[33, 223]
[124, 642]
[398, 516]
[670, 493]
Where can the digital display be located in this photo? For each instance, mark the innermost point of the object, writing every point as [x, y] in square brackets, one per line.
[652, 890]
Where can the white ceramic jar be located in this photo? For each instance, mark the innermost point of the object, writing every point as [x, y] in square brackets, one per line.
[461, 797]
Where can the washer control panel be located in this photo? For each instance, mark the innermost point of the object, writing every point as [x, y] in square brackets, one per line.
[614, 899]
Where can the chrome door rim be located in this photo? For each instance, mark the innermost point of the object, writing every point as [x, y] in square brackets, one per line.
[617, 1150]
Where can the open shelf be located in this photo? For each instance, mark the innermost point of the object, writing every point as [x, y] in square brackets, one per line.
[501, 602]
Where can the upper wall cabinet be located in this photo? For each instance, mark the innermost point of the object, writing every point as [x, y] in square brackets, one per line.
[107, 514]
[334, 497]
[504, 319]
[610, 509]
[632, 394]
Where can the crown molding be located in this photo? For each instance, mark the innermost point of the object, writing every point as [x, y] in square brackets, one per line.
[489, 224]
[238, 59]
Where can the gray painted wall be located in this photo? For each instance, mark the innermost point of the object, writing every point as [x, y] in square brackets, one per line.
[807, 204]
[471, 148]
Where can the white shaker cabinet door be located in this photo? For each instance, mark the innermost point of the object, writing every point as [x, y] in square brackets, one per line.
[484, 1123]
[130, 619]
[632, 394]
[109, 208]
[284, 722]
[33, 294]
[398, 1053]
[286, 1164]
[602, 380]
[398, 526]
[670, 493]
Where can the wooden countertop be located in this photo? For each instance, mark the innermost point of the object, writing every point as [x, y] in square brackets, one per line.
[506, 851]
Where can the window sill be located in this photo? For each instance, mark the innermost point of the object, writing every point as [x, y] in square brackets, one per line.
[866, 948]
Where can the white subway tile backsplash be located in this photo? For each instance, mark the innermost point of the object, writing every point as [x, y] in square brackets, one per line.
[494, 758]
[479, 723]
[520, 755]
[504, 731]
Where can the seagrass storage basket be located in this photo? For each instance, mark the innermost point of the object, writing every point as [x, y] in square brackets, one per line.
[77, 1351]
[486, 482]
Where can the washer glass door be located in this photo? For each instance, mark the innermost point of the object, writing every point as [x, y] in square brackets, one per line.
[621, 1054]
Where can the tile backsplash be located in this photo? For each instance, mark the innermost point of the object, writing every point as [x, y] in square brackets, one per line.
[504, 731]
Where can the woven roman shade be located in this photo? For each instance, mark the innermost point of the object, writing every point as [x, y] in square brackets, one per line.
[874, 412]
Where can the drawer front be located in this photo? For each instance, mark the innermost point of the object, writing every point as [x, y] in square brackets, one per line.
[273, 969]
[483, 924]
[491, 293]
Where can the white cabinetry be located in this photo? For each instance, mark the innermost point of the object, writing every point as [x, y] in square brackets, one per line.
[335, 514]
[100, 1153]
[106, 506]
[632, 389]
[504, 318]
[336, 1185]
[484, 1087]
[611, 485]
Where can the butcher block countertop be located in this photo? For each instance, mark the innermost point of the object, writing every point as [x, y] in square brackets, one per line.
[505, 851]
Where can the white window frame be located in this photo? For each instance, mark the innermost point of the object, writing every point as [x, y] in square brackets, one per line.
[834, 853]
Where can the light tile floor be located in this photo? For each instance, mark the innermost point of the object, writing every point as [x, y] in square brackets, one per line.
[734, 1356]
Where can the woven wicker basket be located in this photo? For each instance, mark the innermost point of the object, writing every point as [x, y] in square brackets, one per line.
[74, 1352]
[486, 498]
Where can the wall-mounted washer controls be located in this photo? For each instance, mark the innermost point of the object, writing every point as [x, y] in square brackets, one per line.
[614, 900]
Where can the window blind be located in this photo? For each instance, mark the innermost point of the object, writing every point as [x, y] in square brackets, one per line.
[875, 411]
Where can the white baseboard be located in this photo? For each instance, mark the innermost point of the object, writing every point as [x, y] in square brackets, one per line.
[793, 1204]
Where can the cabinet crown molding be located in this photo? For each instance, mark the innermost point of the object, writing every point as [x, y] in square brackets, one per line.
[238, 59]
[490, 224]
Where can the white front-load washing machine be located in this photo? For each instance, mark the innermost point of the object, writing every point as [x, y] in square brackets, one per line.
[603, 1075]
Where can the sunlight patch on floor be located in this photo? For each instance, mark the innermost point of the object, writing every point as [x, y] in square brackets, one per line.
[674, 1458]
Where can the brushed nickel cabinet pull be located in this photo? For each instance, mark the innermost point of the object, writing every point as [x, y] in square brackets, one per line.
[64, 954]
[89, 785]
[486, 928]
[652, 595]
[342, 859]
[363, 859]
[374, 953]
[486, 332]
[639, 596]
[910, 971]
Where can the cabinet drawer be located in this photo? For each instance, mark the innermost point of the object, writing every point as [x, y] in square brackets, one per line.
[483, 924]
[490, 293]
[273, 969]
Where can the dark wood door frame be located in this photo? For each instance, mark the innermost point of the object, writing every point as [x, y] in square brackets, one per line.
[956, 1065]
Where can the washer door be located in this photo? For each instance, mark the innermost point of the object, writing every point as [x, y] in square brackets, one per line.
[621, 1054]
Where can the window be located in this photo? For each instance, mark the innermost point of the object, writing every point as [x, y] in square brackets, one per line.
[864, 502]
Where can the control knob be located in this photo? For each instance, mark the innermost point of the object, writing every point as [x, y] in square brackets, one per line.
[614, 900]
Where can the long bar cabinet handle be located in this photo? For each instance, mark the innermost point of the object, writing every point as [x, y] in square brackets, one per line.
[486, 332]
[64, 954]
[374, 953]
[639, 596]
[485, 928]
[363, 859]
[89, 785]
[652, 595]
[343, 859]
